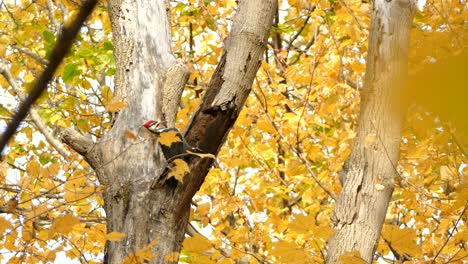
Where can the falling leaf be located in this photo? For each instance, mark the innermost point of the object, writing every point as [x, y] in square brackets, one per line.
[115, 236]
[116, 105]
[142, 255]
[130, 135]
[169, 137]
[179, 170]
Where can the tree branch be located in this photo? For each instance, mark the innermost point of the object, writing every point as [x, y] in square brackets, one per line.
[32, 55]
[34, 115]
[64, 44]
[81, 144]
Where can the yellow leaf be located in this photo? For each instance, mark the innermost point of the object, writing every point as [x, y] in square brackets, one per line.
[179, 170]
[403, 240]
[288, 252]
[74, 195]
[169, 137]
[115, 236]
[4, 225]
[196, 244]
[172, 257]
[63, 225]
[203, 209]
[28, 77]
[353, 257]
[446, 173]
[142, 255]
[302, 224]
[33, 169]
[226, 261]
[37, 210]
[116, 105]
[54, 168]
[54, 118]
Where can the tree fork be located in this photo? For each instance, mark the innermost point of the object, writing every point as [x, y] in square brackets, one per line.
[150, 80]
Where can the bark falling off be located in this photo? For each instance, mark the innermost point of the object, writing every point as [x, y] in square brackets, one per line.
[361, 208]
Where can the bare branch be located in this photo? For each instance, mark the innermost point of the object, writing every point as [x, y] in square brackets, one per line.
[81, 144]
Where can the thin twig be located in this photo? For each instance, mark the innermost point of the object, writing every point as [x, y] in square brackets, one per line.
[294, 150]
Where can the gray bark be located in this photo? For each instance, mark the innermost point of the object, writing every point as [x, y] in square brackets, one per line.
[150, 80]
[368, 185]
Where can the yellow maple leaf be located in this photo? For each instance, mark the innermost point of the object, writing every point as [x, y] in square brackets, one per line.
[352, 257]
[196, 244]
[63, 225]
[142, 255]
[403, 240]
[115, 236]
[288, 252]
[179, 170]
[33, 168]
[169, 137]
[37, 210]
[4, 224]
[115, 105]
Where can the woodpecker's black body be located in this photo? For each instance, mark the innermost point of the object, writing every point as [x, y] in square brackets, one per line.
[177, 148]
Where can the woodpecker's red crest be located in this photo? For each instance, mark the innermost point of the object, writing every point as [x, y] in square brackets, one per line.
[149, 123]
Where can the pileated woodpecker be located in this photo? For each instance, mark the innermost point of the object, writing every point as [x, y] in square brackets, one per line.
[178, 146]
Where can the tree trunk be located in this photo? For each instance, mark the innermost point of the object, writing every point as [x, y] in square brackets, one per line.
[368, 185]
[150, 81]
